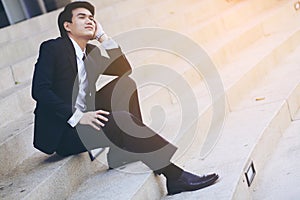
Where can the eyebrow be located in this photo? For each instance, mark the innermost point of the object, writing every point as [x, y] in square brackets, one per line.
[83, 14]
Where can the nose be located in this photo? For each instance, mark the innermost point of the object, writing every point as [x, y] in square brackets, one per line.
[90, 21]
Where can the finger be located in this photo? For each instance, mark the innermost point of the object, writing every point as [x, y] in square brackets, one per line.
[94, 126]
[96, 121]
[100, 117]
[102, 112]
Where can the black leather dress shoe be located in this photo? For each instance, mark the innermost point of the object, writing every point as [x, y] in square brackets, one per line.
[190, 182]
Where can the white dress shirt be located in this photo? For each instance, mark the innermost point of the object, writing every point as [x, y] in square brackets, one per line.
[80, 104]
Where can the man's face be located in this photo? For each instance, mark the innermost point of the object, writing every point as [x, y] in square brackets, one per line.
[83, 24]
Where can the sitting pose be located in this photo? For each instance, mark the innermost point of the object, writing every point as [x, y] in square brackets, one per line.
[71, 117]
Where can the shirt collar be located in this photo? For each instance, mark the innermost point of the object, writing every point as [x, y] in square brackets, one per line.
[79, 53]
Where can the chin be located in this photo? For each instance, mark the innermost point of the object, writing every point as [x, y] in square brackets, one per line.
[89, 36]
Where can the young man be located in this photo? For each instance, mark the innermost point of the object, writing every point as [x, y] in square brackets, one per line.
[71, 117]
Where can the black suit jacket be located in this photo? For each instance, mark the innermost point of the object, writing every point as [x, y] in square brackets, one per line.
[55, 86]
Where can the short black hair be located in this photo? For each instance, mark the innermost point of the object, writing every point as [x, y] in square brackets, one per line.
[66, 15]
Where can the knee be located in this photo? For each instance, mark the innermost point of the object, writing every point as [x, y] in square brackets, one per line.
[125, 118]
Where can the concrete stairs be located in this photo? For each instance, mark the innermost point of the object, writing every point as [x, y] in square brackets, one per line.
[135, 180]
[280, 177]
[254, 45]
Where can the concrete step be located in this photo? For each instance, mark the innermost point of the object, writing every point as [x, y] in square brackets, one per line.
[195, 13]
[280, 177]
[18, 73]
[23, 30]
[47, 177]
[15, 102]
[27, 43]
[255, 63]
[266, 143]
[236, 83]
[20, 78]
[270, 89]
[14, 98]
[42, 23]
[33, 48]
[259, 64]
[240, 133]
[245, 11]
[256, 68]
[226, 46]
[23, 48]
[258, 147]
[23, 70]
[24, 43]
[133, 181]
[216, 27]
[218, 39]
[16, 143]
[259, 120]
[267, 92]
[256, 120]
[6, 79]
[270, 131]
[287, 92]
[164, 14]
[222, 45]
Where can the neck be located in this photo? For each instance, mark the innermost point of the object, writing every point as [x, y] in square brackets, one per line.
[81, 42]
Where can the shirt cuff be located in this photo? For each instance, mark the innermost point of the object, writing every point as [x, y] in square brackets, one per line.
[109, 44]
[73, 121]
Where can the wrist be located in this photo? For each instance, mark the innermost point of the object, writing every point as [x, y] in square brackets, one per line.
[102, 38]
[99, 35]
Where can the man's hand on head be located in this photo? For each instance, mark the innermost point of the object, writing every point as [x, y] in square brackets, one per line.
[99, 35]
[94, 118]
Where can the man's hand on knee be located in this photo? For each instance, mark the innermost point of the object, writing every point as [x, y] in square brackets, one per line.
[94, 119]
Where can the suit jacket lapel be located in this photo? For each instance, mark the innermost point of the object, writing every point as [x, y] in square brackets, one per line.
[91, 66]
[71, 55]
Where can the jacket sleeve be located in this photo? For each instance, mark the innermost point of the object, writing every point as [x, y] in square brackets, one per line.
[42, 84]
[117, 64]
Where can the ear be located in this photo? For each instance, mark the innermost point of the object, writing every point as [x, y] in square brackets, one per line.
[66, 26]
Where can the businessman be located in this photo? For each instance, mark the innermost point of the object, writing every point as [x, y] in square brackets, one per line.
[71, 117]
